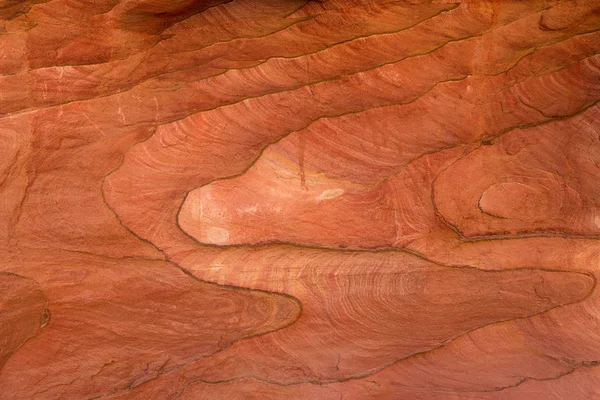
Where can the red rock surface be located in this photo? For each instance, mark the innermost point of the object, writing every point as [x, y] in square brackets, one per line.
[267, 199]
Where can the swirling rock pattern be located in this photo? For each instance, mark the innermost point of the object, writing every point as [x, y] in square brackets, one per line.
[24, 313]
[265, 199]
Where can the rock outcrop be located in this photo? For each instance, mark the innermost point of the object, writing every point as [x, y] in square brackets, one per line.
[267, 199]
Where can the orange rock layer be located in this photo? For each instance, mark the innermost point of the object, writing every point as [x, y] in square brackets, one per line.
[266, 199]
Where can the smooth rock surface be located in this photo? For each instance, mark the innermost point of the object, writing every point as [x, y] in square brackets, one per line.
[268, 199]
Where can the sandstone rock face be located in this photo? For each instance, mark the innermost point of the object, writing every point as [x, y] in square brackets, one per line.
[267, 199]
